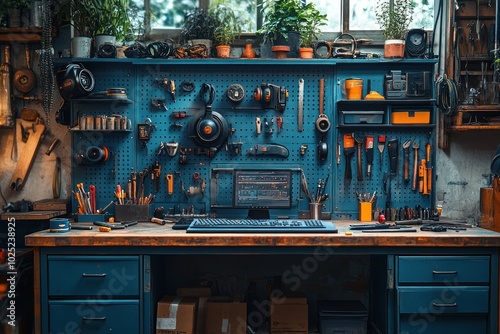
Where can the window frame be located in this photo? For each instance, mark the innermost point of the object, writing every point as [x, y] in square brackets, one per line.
[375, 35]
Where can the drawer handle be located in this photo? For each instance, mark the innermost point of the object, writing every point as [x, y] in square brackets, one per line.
[450, 272]
[444, 305]
[93, 275]
[94, 319]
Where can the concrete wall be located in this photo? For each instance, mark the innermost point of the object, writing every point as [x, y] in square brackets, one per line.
[463, 169]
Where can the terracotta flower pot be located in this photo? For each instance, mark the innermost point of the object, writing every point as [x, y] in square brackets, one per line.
[394, 48]
[223, 51]
[280, 51]
[306, 53]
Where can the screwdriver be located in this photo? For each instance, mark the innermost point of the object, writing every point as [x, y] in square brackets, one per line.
[369, 155]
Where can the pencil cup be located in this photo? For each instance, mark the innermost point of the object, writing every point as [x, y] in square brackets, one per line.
[365, 211]
[315, 210]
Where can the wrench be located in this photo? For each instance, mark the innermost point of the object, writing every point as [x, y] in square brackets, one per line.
[415, 146]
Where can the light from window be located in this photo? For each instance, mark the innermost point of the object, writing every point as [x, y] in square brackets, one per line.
[169, 14]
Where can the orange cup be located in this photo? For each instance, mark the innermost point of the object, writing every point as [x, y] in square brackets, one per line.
[354, 88]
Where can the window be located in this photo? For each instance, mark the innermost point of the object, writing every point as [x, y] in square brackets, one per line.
[358, 20]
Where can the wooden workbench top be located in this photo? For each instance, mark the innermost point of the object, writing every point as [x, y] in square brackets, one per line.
[153, 235]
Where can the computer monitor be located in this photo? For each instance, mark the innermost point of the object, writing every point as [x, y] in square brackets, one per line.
[259, 190]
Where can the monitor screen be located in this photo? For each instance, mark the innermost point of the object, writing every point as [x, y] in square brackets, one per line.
[262, 188]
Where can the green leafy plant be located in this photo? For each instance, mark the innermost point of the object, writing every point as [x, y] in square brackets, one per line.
[280, 17]
[228, 25]
[312, 20]
[79, 15]
[111, 17]
[14, 4]
[394, 18]
[284, 16]
[198, 24]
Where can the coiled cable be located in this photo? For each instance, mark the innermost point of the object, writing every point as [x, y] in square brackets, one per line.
[161, 49]
[446, 95]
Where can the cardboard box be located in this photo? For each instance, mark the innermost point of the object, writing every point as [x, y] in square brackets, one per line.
[203, 294]
[224, 317]
[289, 314]
[176, 315]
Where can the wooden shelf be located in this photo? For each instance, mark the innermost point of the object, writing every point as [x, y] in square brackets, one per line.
[462, 128]
[33, 215]
[21, 35]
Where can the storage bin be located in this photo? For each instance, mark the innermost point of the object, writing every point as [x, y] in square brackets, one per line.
[342, 317]
[411, 117]
[132, 212]
[362, 117]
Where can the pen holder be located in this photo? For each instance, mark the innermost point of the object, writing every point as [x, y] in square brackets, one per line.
[315, 210]
[132, 212]
[365, 211]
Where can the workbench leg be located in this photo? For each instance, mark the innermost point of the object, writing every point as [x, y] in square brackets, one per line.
[36, 291]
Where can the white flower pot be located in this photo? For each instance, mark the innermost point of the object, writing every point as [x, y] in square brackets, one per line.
[80, 47]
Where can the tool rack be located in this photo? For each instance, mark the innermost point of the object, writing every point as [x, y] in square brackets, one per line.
[128, 154]
[472, 64]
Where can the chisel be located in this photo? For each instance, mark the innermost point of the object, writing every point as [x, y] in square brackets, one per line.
[381, 146]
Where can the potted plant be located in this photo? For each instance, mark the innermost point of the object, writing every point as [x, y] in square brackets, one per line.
[283, 20]
[79, 15]
[309, 31]
[198, 28]
[111, 20]
[13, 9]
[227, 28]
[394, 20]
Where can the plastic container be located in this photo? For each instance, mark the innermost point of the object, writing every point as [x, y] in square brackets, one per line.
[342, 317]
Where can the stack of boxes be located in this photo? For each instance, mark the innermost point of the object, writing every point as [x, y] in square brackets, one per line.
[194, 311]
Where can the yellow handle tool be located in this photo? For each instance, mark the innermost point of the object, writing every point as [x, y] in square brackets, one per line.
[170, 183]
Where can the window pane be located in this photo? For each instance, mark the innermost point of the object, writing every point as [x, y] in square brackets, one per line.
[362, 15]
[332, 9]
[247, 11]
[170, 13]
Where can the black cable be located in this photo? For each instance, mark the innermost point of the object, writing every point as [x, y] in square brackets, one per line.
[446, 96]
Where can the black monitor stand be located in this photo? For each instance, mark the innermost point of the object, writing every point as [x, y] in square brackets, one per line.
[258, 214]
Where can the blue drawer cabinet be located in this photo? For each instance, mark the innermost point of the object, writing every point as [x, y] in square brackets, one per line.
[94, 293]
[108, 276]
[444, 269]
[443, 294]
[94, 316]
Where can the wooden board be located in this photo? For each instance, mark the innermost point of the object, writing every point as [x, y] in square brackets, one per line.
[32, 215]
[51, 204]
[27, 157]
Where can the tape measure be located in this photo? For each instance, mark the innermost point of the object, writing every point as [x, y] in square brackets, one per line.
[59, 225]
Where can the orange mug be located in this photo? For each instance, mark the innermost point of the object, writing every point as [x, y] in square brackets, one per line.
[353, 88]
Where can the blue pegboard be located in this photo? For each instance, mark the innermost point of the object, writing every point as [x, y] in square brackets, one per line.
[142, 79]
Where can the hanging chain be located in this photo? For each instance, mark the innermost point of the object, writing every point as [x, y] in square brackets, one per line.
[47, 60]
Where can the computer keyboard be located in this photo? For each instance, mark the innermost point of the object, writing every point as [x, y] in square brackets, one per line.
[224, 225]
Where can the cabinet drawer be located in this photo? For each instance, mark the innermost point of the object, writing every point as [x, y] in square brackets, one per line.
[443, 299]
[92, 316]
[98, 276]
[464, 324]
[444, 269]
